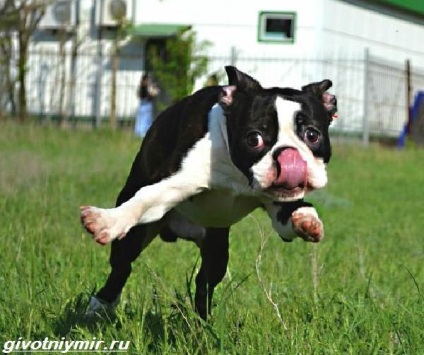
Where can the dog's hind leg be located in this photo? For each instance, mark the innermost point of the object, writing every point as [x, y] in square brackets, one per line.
[123, 253]
[214, 251]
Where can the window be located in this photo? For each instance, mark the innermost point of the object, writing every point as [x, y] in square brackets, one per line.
[277, 27]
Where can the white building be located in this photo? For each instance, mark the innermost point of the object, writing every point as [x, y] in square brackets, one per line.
[279, 42]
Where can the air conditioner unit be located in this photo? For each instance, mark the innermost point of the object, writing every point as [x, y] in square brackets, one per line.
[59, 15]
[111, 12]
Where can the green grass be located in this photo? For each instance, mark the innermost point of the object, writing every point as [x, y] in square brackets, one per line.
[359, 291]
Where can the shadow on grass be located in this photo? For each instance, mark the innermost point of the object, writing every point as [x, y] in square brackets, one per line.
[163, 327]
[180, 327]
[74, 316]
[165, 321]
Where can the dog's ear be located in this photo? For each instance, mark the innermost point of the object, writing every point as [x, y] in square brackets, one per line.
[319, 90]
[241, 80]
[330, 104]
[226, 96]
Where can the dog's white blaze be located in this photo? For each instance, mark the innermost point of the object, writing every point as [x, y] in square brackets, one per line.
[286, 111]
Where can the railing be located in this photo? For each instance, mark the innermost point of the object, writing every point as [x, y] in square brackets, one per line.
[372, 92]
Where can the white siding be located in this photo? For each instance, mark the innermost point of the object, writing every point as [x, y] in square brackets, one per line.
[351, 29]
[323, 28]
[235, 23]
[330, 41]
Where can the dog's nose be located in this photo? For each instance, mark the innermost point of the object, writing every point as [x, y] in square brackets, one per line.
[292, 170]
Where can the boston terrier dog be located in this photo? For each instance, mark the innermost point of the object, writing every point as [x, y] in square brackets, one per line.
[207, 162]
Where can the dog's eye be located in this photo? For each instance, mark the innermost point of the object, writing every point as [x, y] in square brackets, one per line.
[255, 140]
[312, 136]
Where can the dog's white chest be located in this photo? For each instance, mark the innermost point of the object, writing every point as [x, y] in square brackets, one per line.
[217, 208]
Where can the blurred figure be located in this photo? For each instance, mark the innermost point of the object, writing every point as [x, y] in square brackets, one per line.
[147, 91]
[212, 80]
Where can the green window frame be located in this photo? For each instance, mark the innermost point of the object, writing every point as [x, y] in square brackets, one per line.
[276, 27]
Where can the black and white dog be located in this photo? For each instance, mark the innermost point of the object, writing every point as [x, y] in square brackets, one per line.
[207, 162]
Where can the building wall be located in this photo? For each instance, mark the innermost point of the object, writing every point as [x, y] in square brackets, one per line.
[331, 37]
[83, 88]
[324, 27]
[235, 23]
[350, 29]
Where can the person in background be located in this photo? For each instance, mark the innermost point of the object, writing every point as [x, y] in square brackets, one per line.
[147, 91]
[212, 80]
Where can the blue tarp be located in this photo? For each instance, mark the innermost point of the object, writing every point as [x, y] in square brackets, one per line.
[419, 100]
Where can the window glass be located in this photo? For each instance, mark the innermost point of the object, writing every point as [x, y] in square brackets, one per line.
[276, 27]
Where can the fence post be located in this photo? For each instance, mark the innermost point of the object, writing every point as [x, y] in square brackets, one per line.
[99, 73]
[74, 63]
[408, 98]
[233, 56]
[365, 119]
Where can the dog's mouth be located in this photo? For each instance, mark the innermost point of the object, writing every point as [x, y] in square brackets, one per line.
[291, 174]
[278, 193]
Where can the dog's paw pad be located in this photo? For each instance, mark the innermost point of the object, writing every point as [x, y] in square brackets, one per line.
[307, 225]
[95, 222]
[103, 237]
[103, 224]
[91, 219]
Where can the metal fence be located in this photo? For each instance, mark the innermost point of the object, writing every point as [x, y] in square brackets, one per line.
[387, 95]
[69, 86]
[372, 92]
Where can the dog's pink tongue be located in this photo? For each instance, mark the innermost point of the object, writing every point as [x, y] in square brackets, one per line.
[293, 169]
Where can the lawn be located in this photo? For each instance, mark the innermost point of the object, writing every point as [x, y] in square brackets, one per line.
[359, 291]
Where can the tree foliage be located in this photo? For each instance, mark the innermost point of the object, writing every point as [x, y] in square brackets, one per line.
[18, 21]
[183, 62]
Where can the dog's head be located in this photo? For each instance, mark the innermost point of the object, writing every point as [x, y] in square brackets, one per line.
[278, 137]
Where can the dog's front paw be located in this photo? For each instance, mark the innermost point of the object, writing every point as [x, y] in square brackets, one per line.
[101, 224]
[307, 225]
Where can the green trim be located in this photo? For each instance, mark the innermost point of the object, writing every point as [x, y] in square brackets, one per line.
[413, 6]
[263, 15]
[157, 30]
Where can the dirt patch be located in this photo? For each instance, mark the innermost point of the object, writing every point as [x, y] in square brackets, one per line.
[20, 170]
